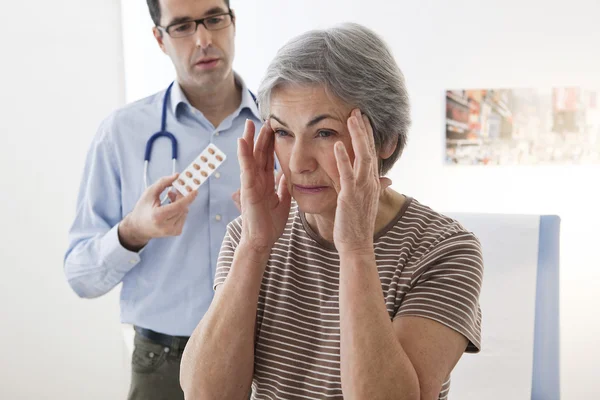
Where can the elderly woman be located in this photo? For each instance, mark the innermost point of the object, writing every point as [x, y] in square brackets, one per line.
[335, 286]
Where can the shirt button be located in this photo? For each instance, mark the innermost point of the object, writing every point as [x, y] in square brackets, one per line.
[217, 175]
[217, 134]
[218, 217]
[151, 355]
[167, 349]
[132, 261]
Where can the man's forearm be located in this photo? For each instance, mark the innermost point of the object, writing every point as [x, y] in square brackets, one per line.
[129, 237]
[373, 362]
[218, 361]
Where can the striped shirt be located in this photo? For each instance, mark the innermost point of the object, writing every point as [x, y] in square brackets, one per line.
[428, 264]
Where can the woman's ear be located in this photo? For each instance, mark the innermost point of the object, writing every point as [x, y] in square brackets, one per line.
[387, 149]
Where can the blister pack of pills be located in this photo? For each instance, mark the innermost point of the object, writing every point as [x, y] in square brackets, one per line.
[200, 170]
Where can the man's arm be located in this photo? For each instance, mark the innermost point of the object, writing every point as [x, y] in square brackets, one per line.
[218, 361]
[95, 261]
[102, 247]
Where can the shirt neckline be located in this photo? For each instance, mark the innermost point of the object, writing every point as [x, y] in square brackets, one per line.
[331, 246]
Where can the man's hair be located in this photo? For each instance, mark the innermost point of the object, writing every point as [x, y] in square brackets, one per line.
[154, 8]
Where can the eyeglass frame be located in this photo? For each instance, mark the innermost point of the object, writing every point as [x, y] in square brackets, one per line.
[198, 22]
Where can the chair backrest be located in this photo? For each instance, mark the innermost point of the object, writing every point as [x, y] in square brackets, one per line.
[519, 302]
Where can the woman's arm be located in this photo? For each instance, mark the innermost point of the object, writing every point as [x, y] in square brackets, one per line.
[409, 358]
[373, 363]
[218, 361]
[219, 358]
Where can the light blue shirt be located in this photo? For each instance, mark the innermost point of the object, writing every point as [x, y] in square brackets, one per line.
[167, 287]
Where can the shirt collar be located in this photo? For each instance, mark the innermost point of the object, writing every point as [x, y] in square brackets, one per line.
[178, 97]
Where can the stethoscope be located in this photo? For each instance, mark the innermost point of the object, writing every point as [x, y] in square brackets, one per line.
[164, 133]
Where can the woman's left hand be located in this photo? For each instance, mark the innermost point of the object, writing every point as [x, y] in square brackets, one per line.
[359, 189]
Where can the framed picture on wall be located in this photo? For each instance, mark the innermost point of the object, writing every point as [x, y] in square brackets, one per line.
[558, 125]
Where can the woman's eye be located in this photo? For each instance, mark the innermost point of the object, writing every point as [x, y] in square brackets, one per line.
[281, 133]
[325, 134]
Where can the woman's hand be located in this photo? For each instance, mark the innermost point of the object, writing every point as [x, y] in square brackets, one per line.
[359, 189]
[264, 212]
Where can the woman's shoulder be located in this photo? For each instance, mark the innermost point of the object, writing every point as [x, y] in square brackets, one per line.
[427, 226]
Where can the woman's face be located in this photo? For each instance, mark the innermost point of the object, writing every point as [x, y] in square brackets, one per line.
[307, 123]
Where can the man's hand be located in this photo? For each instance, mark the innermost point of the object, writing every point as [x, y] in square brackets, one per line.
[150, 220]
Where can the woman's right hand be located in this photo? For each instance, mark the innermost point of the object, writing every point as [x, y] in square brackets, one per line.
[264, 212]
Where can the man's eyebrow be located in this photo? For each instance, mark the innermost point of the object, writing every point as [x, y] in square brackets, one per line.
[178, 20]
[212, 11]
[215, 10]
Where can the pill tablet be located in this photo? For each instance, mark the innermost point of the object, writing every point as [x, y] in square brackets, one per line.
[199, 170]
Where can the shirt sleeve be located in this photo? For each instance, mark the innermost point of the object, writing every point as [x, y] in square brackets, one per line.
[230, 243]
[447, 286]
[95, 261]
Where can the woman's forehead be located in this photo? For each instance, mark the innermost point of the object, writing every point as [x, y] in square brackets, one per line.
[306, 102]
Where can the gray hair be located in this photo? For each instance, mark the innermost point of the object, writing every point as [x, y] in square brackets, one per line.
[354, 64]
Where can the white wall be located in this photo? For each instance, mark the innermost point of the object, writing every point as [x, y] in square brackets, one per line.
[61, 73]
[443, 45]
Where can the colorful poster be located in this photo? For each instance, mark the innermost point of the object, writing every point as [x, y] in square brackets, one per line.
[523, 126]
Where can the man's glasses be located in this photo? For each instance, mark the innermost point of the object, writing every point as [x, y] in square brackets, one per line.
[188, 28]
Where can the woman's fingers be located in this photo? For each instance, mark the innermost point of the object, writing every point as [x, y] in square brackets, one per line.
[371, 143]
[249, 130]
[247, 164]
[285, 198]
[385, 183]
[270, 168]
[237, 200]
[363, 159]
[344, 167]
[263, 149]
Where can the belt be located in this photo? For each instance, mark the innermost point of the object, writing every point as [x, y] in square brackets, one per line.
[176, 342]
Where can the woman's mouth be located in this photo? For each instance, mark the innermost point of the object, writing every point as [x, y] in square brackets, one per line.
[310, 189]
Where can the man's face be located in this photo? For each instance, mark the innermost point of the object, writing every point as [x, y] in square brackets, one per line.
[203, 59]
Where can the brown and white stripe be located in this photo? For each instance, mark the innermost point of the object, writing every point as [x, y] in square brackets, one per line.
[429, 266]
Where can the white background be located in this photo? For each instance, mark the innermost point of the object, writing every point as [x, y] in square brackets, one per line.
[61, 72]
[68, 67]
